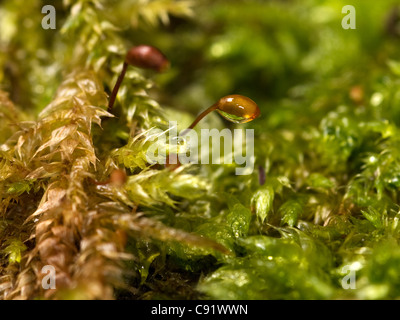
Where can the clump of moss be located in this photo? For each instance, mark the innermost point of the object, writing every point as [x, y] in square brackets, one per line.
[323, 197]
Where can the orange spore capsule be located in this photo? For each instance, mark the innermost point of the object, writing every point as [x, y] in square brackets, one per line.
[237, 108]
[357, 94]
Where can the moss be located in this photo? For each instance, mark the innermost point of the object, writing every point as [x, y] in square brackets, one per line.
[323, 195]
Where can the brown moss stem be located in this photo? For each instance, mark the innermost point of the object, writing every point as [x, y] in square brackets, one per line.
[116, 87]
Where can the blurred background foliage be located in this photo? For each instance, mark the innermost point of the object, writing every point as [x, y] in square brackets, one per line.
[327, 141]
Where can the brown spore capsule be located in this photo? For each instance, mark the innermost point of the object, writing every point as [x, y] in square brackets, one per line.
[147, 57]
[118, 177]
[142, 56]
